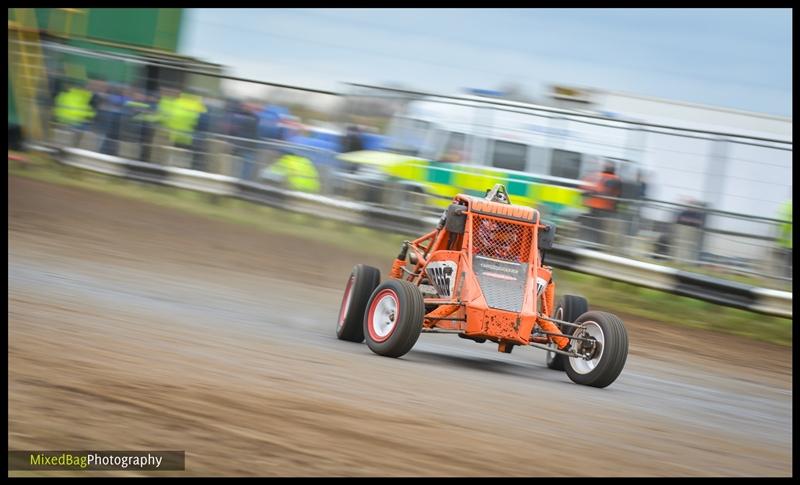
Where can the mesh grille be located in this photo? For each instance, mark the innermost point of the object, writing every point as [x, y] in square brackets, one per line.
[502, 283]
[501, 239]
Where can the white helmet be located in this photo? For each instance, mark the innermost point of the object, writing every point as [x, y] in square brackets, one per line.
[498, 194]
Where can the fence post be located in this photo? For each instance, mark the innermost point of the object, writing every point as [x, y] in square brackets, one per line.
[714, 183]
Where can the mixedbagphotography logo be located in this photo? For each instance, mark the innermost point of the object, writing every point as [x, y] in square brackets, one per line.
[43, 460]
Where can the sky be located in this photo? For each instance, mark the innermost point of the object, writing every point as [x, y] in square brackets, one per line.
[733, 58]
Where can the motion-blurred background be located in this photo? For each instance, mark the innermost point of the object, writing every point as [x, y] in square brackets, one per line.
[697, 133]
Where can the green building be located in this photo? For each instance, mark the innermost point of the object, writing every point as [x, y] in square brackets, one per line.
[152, 34]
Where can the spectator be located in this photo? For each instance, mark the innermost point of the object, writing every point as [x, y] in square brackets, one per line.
[270, 121]
[98, 104]
[231, 106]
[245, 125]
[151, 127]
[201, 131]
[216, 115]
[183, 116]
[294, 172]
[97, 88]
[352, 140]
[161, 126]
[641, 185]
[600, 191]
[113, 108]
[73, 109]
[372, 139]
[165, 105]
[688, 229]
[639, 194]
[141, 115]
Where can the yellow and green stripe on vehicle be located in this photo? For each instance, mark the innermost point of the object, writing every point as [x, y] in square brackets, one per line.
[443, 181]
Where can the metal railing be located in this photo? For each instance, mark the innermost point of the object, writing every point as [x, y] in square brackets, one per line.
[625, 233]
[645, 230]
[719, 291]
[690, 238]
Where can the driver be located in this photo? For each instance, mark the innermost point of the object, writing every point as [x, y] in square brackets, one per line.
[497, 239]
[494, 238]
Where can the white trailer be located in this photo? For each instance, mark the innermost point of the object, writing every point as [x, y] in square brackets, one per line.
[730, 160]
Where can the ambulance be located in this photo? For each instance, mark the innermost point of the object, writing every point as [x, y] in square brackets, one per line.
[440, 148]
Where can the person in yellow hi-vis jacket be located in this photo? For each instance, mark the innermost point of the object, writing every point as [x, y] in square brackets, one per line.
[183, 114]
[74, 110]
[179, 115]
[164, 107]
[161, 121]
[142, 115]
[295, 173]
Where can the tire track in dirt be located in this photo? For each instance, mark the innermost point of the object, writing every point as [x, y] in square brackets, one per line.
[134, 326]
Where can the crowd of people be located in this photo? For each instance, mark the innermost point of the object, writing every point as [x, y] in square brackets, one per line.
[186, 119]
[613, 211]
[181, 118]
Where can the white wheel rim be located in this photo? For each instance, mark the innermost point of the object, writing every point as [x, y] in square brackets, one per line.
[588, 329]
[384, 317]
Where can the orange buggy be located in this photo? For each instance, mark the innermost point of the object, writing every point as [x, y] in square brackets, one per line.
[481, 275]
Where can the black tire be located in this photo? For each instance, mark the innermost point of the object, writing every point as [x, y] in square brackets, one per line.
[611, 356]
[363, 280]
[570, 307]
[394, 333]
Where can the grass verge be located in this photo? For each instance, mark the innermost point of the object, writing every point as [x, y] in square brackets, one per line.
[229, 209]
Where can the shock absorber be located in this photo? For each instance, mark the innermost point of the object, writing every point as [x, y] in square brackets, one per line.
[400, 261]
[549, 295]
[546, 290]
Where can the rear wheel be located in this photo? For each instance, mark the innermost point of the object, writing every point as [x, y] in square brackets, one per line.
[607, 350]
[363, 280]
[394, 316]
[568, 309]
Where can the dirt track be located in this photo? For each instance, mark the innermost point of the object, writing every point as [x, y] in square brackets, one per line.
[137, 327]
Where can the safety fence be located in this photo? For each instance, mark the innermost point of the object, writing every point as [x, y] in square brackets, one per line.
[625, 233]
[715, 290]
[300, 154]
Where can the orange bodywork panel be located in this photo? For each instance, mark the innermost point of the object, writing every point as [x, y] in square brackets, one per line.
[488, 274]
[444, 311]
[505, 210]
[397, 268]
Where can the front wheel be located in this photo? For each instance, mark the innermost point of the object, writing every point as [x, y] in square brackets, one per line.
[363, 279]
[606, 349]
[393, 321]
